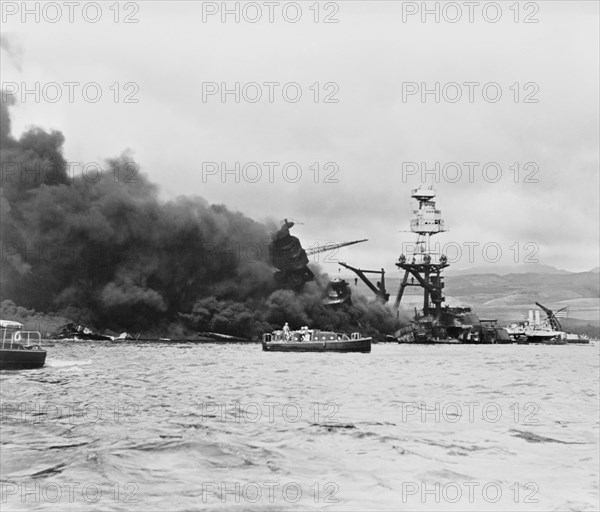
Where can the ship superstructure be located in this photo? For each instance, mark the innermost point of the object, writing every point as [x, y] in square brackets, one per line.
[291, 260]
[424, 265]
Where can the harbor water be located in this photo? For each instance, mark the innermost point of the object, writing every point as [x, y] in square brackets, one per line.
[183, 426]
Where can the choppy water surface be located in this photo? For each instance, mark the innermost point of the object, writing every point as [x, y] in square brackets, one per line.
[186, 427]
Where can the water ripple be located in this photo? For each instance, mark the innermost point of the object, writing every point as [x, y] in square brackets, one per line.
[172, 426]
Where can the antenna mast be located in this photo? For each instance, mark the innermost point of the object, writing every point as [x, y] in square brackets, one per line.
[423, 264]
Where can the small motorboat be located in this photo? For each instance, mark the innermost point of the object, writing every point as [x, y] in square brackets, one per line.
[314, 340]
[20, 350]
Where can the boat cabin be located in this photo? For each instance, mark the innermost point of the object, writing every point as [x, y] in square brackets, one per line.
[308, 335]
[14, 336]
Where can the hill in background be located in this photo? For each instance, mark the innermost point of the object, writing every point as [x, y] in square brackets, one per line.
[509, 297]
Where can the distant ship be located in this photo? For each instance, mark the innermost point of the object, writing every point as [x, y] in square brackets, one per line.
[549, 331]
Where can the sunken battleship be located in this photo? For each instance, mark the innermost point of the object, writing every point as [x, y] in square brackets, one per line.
[423, 268]
[437, 323]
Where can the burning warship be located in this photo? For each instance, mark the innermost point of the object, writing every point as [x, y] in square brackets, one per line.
[291, 260]
[436, 323]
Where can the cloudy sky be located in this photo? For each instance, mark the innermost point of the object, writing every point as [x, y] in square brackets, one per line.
[361, 111]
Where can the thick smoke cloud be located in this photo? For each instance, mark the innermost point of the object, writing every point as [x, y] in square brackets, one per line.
[106, 251]
[252, 317]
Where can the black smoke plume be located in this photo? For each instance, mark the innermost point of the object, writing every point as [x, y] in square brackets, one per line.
[101, 248]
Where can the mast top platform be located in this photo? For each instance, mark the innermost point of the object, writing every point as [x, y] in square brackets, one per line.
[423, 194]
[427, 219]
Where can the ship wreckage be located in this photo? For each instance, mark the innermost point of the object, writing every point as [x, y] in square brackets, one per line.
[436, 322]
[423, 268]
[291, 260]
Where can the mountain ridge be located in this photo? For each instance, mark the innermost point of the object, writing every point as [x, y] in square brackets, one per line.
[509, 296]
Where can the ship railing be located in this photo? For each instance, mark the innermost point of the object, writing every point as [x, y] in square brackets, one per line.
[24, 338]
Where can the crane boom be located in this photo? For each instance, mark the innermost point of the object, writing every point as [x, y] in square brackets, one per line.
[551, 317]
[379, 290]
[330, 247]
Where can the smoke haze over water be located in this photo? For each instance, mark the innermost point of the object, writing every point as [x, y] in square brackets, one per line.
[102, 249]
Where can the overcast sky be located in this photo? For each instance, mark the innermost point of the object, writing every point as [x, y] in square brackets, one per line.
[371, 133]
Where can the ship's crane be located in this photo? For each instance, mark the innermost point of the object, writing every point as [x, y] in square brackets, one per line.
[554, 323]
[379, 290]
[330, 247]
